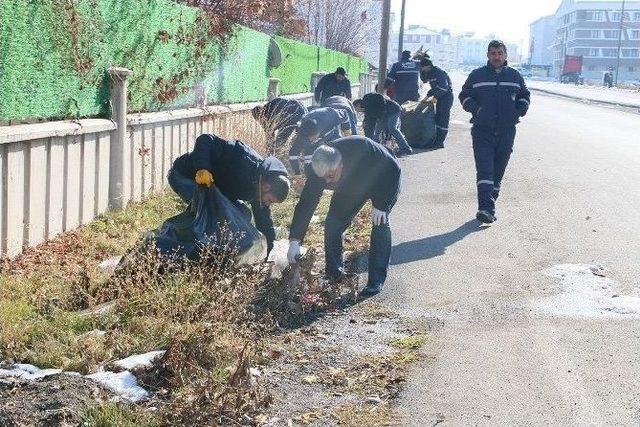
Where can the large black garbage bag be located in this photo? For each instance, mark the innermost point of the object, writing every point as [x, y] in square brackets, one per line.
[210, 220]
[418, 124]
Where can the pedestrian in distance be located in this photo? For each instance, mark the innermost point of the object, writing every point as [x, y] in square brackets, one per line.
[441, 93]
[333, 84]
[317, 127]
[357, 169]
[382, 116]
[279, 119]
[240, 174]
[406, 78]
[496, 96]
[341, 103]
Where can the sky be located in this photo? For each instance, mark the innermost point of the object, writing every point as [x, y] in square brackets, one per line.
[507, 19]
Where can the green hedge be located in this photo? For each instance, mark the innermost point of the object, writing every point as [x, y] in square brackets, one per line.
[54, 58]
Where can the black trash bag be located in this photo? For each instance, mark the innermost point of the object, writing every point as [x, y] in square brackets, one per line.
[418, 124]
[210, 220]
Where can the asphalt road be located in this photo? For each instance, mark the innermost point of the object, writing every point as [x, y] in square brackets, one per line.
[571, 195]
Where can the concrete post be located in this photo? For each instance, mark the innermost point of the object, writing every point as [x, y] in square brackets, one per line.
[315, 78]
[274, 88]
[201, 96]
[118, 170]
[365, 84]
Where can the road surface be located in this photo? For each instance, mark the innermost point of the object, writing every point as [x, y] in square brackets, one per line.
[518, 347]
[627, 97]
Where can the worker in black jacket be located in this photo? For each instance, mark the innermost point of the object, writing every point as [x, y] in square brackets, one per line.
[358, 170]
[333, 84]
[442, 93]
[497, 97]
[238, 172]
[279, 118]
[382, 114]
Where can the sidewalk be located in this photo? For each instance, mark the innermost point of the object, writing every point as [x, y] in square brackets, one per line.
[611, 96]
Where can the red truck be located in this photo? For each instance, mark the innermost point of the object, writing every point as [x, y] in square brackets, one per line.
[572, 70]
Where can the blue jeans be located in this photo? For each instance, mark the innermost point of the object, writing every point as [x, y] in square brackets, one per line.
[342, 210]
[393, 128]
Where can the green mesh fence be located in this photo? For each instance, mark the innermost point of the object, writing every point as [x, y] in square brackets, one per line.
[300, 60]
[54, 58]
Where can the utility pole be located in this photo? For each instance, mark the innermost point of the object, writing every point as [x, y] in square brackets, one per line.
[401, 35]
[619, 43]
[384, 44]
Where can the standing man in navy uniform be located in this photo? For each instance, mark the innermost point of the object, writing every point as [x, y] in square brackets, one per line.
[497, 97]
[442, 91]
[333, 84]
[406, 75]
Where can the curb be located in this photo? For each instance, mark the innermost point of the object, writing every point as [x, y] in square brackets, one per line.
[577, 98]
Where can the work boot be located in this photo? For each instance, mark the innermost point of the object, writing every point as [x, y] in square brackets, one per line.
[485, 217]
[371, 290]
[404, 152]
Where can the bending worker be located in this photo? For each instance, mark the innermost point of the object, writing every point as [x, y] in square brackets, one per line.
[342, 103]
[382, 115]
[358, 170]
[279, 118]
[238, 172]
[316, 127]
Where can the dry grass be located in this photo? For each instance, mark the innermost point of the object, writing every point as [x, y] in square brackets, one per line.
[359, 415]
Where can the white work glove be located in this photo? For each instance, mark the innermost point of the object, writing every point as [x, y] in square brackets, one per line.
[378, 217]
[294, 251]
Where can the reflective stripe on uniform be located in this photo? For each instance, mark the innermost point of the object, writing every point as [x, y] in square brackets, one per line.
[440, 127]
[485, 181]
[480, 84]
[523, 100]
[510, 84]
[465, 100]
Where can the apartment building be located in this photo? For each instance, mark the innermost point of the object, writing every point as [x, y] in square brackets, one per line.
[600, 33]
[441, 45]
[542, 38]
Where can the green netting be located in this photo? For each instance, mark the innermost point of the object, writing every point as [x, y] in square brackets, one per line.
[53, 58]
[300, 60]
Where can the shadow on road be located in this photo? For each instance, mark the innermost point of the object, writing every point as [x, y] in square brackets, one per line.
[431, 247]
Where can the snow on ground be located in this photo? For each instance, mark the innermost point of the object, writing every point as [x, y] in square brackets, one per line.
[585, 292]
[594, 93]
[122, 383]
[26, 371]
[139, 361]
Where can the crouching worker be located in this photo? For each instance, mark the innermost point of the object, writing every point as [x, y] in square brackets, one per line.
[238, 172]
[358, 170]
[279, 118]
[342, 103]
[382, 115]
[316, 127]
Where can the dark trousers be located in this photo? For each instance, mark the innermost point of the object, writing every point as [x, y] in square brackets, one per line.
[342, 210]
[491, 149]
[186, 187]
[443, 113]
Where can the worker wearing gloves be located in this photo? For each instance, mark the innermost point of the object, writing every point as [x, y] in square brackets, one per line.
[316, 127]
[382, 115]
[333, 84]
[442, 93]
[238, 172]
[342, 103]
[358, 170]
[406, 77]
[497, 97]
[279, 118]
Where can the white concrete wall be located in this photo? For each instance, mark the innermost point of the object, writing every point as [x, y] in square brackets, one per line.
[55, 176]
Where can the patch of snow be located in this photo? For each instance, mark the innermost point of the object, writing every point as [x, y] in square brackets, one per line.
[139, 361]
[110, 264]
[459, 122]
[122, 383]
[27, 372]
[585, 292]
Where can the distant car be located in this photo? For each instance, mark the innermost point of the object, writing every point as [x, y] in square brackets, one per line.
[572, 77]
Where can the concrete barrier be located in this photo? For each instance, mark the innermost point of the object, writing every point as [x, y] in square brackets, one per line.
[57, 176]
